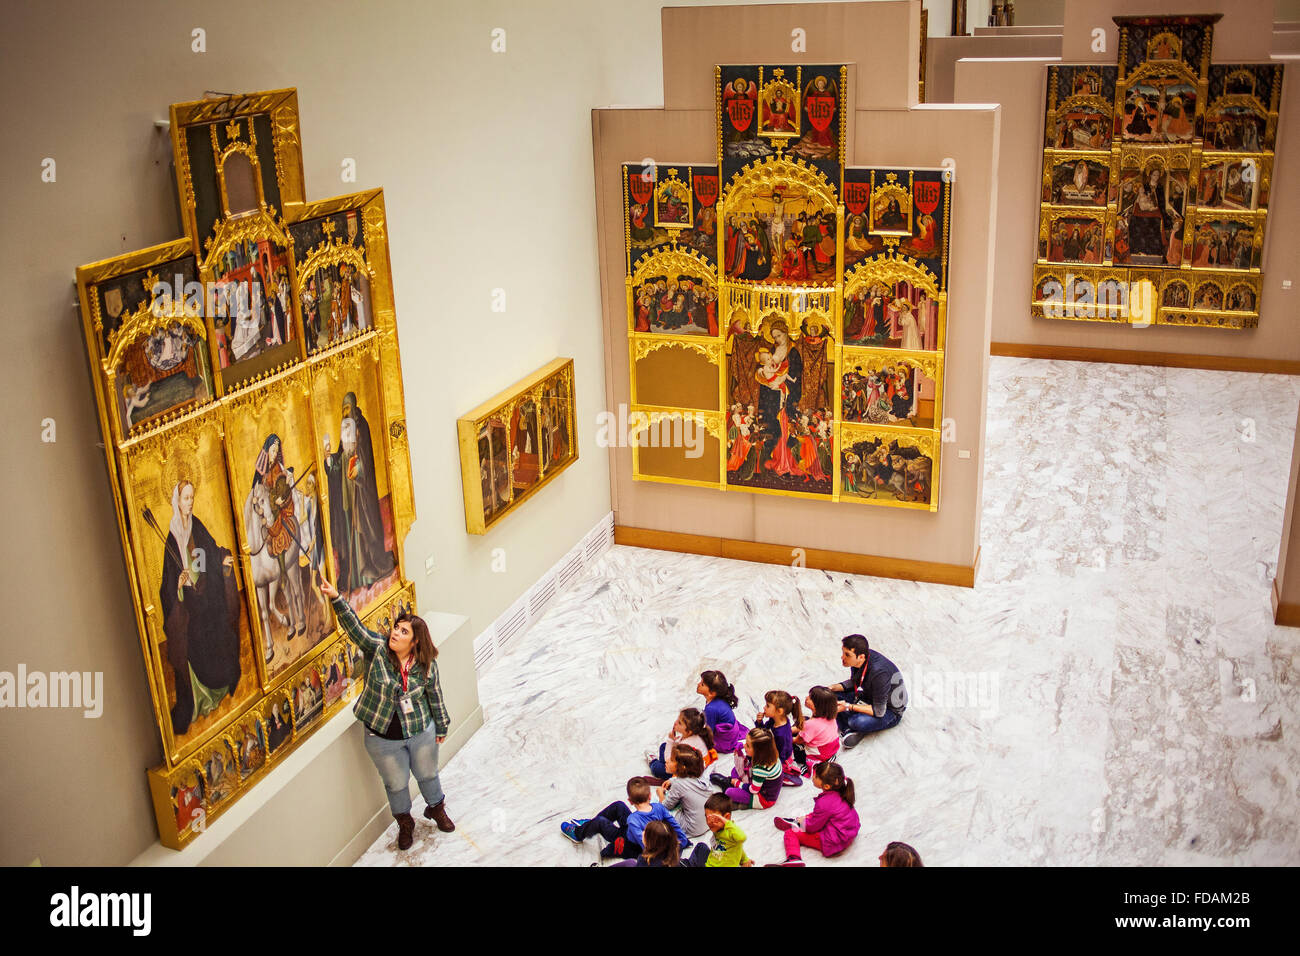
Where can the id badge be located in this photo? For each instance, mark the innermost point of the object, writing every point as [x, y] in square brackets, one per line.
[408, 705]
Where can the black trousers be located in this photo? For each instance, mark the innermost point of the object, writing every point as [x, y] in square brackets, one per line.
[611, 823]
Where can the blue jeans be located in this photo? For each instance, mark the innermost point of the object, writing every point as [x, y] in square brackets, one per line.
[397, 760]
[657, 767]
[855, 723]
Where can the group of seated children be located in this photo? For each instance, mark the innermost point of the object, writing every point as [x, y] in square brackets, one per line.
[784, 748]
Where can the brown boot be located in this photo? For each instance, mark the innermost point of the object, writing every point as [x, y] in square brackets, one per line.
[438, 814]
[405, 830]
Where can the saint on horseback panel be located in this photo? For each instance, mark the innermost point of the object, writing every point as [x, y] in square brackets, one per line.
[277, 490]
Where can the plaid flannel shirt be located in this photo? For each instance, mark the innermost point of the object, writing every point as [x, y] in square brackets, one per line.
[383, 687]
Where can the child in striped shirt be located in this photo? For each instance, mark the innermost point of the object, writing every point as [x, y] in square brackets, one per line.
[757, 781]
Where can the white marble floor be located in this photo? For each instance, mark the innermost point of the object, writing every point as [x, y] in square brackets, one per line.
[1130, 700]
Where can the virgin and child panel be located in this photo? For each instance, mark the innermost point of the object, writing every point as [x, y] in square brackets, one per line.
[1151, 207]
[184, 544]
[346, 399]
[650, 210]
[889, 389]
[333, 277]
[277, 492]
[891, 312]
[781, 410]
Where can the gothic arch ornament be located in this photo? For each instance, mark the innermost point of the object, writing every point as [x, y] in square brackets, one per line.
[779, 172]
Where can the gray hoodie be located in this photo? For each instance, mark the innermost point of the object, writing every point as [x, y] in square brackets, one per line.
[685, 796]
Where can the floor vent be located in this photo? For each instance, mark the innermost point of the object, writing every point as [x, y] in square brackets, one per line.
[524, 613]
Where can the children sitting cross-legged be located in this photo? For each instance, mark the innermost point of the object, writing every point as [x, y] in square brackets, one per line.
[719, 699]
[756, 780]
[833, 823]
[728, 847]
[689, 728]
[818, 740]
[778, 709]
[687, 791]
[661, 847]
[622, 826]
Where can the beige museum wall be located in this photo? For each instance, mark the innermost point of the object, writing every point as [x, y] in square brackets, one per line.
[944, 52]
[1020, 85]
[924, 137]
[487, 169]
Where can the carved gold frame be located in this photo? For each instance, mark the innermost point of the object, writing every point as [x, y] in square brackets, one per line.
[927, 441]
[931, 364]
[123, 451]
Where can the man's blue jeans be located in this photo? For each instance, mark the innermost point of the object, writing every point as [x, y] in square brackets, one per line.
[397, 760]
[851, 722]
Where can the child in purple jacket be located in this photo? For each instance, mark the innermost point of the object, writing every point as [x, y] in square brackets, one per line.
[832, 825]
[719, 699]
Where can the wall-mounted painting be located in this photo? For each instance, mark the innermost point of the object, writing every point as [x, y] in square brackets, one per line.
[515, 443]
[1161, 163]
[248, 456]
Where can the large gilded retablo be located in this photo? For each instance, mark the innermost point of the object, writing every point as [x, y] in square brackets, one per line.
[1156, 180]
[249, 389]
[787, 319]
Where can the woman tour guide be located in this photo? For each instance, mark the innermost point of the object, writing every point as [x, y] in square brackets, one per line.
[402, 710]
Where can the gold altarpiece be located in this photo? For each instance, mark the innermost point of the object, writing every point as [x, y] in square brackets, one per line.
[249, 391]
[789, 309]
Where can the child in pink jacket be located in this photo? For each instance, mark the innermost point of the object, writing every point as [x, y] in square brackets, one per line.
[833, 823]
[818, 740]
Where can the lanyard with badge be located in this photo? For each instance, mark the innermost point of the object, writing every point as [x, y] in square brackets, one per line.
[862, 679]
[408, 705]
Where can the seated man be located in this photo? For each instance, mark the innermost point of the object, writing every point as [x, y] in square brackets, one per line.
[873, 698]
